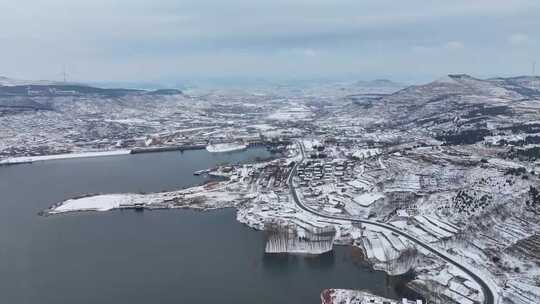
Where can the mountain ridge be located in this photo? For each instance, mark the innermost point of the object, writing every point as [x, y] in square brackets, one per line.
[13, 87]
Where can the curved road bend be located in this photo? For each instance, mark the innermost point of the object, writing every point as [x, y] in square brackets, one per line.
[489, 297]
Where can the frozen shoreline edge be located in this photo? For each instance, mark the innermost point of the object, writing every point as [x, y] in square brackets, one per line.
[31, 159]
[17, 160]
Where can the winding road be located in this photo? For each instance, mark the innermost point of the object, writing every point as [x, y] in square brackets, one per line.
[489, 294]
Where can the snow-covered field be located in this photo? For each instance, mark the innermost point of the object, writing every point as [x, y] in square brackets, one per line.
[366, 199]
[225, 147]
[291, 114]
[346, 296]
[96, 203]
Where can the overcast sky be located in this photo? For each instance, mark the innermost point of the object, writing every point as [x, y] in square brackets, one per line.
[160, 40]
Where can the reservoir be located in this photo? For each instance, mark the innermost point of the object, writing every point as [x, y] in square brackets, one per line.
[165, 256]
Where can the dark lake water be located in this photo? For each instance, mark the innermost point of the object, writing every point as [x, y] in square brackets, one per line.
[166, 256]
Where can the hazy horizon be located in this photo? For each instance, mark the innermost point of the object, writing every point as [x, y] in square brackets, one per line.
[166, 42]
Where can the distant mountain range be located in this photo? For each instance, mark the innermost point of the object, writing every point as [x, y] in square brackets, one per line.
[43, 88]
[379, 83]
[10, 82]
[411, 102]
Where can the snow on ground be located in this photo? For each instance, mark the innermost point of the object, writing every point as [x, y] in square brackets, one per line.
[444, 225]
[405, 182]
[30, 159]
[381, 164]
[366, 153]
[366, 199]
[361, 184]
[504, 163]
[225, 147]
[128, 121]
[291, 113]
[345, 296]
[262, 127]
[433, 229]
[95, 203]
[374, 247]
[332, 210]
